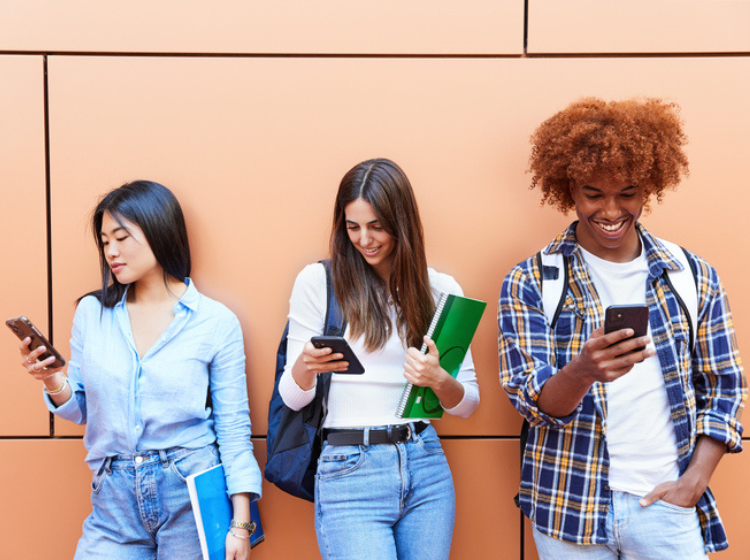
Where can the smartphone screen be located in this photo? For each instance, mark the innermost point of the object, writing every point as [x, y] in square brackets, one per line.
[23, 328]
[618, 317]
[341, 346]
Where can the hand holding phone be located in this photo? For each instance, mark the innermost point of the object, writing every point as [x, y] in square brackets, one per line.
[339, 345]
[618, 317]
[24, 328]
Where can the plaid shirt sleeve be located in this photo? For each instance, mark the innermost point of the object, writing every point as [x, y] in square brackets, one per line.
[720, 385]
[526, 345]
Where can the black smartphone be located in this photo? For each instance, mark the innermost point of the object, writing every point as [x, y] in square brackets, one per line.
[618, 317]
[341, 346]
[25, 328]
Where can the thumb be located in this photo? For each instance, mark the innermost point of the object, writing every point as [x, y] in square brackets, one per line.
[431, 347]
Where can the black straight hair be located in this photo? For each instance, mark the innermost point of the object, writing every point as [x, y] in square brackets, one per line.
[154, 209]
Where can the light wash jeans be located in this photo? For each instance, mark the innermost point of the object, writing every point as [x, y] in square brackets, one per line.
[141, 507]
[385, 501]
[661, 531]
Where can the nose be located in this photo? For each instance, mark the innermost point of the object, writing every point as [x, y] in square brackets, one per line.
[111, 250]
[364, 237]
[611, 208]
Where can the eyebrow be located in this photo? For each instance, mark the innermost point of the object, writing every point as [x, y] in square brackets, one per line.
[376, 221]
[114, 231]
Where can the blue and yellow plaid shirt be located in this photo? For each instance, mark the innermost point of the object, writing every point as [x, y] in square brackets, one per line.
[564, 478]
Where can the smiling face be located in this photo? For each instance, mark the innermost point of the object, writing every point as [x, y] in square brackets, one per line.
[127, 251]
[368, 236]
[607, 210]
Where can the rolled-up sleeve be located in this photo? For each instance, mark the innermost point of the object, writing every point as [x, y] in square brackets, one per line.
[718, 377]
[526, 347]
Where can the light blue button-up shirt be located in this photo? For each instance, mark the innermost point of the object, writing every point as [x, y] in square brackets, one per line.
[132, 404]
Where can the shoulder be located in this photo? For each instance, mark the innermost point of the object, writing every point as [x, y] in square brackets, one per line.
[213, 312]
[442, 282]
[89, 306]
[313, 274]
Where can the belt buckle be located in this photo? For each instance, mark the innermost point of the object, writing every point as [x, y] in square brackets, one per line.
[408, 432]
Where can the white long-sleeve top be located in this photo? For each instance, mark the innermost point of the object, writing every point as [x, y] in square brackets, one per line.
[370, 399]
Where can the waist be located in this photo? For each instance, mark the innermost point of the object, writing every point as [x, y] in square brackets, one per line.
[144, 458]
[399, 433]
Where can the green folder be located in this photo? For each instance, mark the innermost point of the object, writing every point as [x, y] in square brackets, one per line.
[453, 326]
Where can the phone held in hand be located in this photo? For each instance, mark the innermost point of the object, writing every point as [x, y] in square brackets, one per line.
[339, 345]
[618, 317]
[23, 328]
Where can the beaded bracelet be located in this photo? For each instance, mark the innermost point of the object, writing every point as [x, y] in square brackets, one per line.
[59, 390]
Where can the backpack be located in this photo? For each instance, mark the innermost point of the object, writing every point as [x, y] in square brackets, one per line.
[294, 438]
[554, 285]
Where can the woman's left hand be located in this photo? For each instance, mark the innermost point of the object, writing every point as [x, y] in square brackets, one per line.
[238, 548]
[424, 370]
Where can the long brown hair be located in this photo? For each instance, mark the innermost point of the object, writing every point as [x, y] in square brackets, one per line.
[362, 294]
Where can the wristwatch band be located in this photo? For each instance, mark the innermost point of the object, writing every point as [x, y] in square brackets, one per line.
[243, 525]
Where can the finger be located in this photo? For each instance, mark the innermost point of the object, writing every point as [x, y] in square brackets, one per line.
[652, 496]
[25, 344]
[431, 346]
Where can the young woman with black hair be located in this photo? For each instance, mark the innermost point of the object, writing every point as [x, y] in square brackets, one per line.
[146, 349]
[383, 486]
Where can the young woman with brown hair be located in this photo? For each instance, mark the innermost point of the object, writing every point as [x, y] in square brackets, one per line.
[382, 485]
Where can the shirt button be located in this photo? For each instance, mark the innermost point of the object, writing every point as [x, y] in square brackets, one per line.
[606, 487]
[138, 460]
[137, 427]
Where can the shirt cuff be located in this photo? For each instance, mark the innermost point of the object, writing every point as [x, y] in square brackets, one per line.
[292, 394]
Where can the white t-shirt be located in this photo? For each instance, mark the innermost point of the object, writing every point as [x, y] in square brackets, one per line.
[638, 428]
[369, 399]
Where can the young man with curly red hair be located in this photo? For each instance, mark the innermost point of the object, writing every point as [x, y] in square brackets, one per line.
[624, 433]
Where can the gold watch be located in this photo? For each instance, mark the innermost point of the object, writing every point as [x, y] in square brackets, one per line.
[243, 525]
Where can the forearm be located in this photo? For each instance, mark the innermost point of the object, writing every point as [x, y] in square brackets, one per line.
[449, 391]
[303, 377]
[708, 452]
[563, 392]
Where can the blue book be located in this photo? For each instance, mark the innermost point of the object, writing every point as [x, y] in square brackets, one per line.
[213, 512]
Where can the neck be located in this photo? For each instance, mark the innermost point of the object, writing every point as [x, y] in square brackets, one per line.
[155, 291]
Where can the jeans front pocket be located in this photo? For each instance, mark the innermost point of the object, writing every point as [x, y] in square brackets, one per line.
[675, 508]
[97, 480]
[339, 460]
[194, 461]
[429, 441]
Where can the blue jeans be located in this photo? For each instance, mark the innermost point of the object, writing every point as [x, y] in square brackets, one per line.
[141, 507]
[661, 531]
[385, 501]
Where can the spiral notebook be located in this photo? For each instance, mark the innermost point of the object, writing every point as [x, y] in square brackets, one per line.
[453, 326]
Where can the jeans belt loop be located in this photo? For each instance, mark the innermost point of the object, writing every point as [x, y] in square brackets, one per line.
[106, 466]
[410, 431]
[366, 438]
[163, 458]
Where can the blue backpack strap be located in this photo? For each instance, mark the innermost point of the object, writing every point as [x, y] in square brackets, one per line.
[335, 323]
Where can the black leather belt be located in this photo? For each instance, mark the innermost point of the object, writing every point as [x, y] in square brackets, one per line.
[392, 434]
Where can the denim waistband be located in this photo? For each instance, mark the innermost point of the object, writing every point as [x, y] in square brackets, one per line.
[144, 458]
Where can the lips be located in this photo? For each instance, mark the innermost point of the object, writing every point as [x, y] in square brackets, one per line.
[116, 267]
[371, 252]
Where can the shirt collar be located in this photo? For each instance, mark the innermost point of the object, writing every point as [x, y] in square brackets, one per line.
[658, 256]
[188, 300]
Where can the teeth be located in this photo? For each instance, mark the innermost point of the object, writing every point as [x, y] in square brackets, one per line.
[613, 227]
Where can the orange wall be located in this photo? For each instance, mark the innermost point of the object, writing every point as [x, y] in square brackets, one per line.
[252, 112]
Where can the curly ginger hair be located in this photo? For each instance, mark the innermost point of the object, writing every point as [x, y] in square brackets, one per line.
[638, 141]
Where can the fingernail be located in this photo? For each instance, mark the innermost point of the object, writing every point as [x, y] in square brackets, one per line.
[42, 348]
